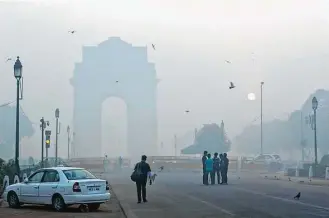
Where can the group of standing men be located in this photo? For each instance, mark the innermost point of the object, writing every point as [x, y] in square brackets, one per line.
[218, 165]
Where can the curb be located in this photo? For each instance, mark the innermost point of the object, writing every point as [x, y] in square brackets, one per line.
[300, 180]
[122, 208]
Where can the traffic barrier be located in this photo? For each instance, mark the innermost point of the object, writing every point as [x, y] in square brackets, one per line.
[310, 172]
[5, 182]
[16, 179]
[327, 173]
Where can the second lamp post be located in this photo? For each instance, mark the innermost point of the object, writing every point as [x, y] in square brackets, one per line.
[315, 107]
[56, 146]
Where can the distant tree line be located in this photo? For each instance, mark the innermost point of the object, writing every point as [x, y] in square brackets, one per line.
[292, 134]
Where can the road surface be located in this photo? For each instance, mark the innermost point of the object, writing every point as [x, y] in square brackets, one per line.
[181, 195]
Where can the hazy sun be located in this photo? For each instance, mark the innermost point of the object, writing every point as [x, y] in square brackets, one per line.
[251, 96]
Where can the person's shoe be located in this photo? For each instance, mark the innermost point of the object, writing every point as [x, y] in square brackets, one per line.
[145, 201]
[138, 202]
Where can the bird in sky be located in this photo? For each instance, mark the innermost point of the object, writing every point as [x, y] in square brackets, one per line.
[297, 196]
[187, 111]
[117, 81]
[227, 61]
[72, 31]
[153, 46]
[9, 59]
[231, 85]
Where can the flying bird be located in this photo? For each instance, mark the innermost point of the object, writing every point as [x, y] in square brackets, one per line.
[161, 168]
[297, 196]
[231, 85]
[9, 59]
[187, 111]
[72, 31]
[117, 81]
[153, 46]
[227, 61]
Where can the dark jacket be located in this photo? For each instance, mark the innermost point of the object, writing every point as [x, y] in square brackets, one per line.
[216, 163]
[204, 158]
[145, 168]
[225, 162]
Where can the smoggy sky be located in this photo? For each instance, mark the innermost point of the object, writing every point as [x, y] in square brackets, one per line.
[283, 43]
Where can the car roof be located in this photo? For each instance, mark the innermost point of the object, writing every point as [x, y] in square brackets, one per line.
[63, 168]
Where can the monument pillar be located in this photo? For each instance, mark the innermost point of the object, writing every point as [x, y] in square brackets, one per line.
[87, 123]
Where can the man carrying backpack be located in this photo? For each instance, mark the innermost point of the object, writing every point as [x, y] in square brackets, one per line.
[139, 176]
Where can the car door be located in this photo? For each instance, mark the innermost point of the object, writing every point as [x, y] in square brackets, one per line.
[30, 189]
[48, 186]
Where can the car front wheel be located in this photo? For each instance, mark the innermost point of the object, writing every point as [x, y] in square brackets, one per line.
[58, 203]
[13, 201]
[93, 207]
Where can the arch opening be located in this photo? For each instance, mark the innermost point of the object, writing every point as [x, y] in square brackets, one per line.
[114, 127]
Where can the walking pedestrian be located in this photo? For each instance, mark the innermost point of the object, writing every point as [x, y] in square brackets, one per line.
[216, 168]
[209, 170]
[144, 170]
[204, 158]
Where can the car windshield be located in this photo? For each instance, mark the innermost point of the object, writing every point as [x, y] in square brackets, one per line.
[78, 174]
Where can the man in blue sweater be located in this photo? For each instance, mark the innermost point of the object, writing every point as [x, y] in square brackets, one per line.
[209, 169]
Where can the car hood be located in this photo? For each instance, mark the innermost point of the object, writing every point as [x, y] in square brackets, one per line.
[12, 187]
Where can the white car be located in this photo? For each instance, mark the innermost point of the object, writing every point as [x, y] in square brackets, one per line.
[59, 187]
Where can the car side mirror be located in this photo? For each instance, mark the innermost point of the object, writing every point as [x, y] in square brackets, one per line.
[26, 180]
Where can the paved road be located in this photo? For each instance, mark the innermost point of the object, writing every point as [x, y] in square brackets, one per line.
[182, 195]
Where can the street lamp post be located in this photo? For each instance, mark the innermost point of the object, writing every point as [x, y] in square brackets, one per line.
[315, 107]
[68, 141]
[56, 146]
[43, 125]
[18, 75]
[261, 117]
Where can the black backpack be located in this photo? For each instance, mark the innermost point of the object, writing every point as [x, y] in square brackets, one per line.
[137, 174]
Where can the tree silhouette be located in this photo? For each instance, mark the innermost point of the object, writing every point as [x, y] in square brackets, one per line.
[291, 134]
[211, 138]
[8, 130]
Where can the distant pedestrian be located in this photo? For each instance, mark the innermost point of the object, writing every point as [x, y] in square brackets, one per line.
[216, 168]
[204, 158]
[209, 170]
[221, 167]
[120, 162]
[141, 170]
[225, 168]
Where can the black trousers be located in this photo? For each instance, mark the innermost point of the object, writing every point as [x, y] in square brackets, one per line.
[205, 178]
[218, 173]
[224, 175]
[141, 189]
[212, 178]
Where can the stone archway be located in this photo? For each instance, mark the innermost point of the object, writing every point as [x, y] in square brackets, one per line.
[115, 68]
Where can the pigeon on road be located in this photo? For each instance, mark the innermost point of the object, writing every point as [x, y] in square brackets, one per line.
[297, 196]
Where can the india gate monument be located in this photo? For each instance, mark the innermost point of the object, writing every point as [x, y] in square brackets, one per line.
[114, 68]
